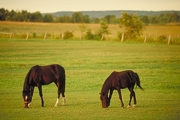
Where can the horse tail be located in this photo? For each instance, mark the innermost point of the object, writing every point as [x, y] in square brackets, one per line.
[138, 81]
[64, 78]
[62, 75]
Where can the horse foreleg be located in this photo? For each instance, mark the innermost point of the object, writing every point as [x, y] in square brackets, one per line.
[31, 95]
[120, 97]
[110, 95]
[41, 95]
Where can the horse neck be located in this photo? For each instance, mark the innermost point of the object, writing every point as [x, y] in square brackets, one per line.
[106, 86]
[26, 86]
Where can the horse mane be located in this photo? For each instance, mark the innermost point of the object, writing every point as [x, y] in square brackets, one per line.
[30, 76]
[106, 86]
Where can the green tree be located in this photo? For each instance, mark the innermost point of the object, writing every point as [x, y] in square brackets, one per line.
[104, 30]
[133, 27]
[110, 19]
[36, 17]
[77, 17]
[86, 19]
[82, 28]
[145, 19]
[64, 19]
[3, 13]
[48, 18]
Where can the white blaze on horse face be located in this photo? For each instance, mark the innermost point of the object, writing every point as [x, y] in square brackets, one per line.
[26, 97]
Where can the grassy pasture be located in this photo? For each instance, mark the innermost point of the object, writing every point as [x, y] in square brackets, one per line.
[88, 64]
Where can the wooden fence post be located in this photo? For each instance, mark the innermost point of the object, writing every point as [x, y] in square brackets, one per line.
[62, 36]
[122, 37]
[145, 39]
[45, 35]
[10, 35]
[169, 39]
[102, 37]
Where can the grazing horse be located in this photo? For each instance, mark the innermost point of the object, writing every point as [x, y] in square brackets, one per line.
[118, 81]
[43, 75]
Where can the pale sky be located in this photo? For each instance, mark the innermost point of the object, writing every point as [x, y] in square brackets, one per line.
[48, 6]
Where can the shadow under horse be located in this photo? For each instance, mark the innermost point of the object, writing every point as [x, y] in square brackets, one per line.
[118, 81]
[43, 75]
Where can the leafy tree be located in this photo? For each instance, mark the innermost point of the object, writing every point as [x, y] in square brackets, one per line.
[104, 30]
[36, 17]
[3, 13]
[77, 17]
[145, 19]
[64, 19]
[133, 27]
[110, 19]
[83, 28]
[48, 18]
[86, 19]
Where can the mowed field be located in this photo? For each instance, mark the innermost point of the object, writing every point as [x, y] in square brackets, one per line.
[88, 63]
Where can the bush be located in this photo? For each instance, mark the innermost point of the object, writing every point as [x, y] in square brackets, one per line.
[162, 39]
[68, 35]
[89, 35]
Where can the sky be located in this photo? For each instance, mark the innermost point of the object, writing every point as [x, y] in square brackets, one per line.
[49, 6]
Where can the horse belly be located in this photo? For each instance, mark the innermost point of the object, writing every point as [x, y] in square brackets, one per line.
[47, 80]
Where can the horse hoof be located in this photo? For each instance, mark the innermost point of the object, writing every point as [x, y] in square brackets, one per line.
[134, 105]
[29, 104]
[128, 106]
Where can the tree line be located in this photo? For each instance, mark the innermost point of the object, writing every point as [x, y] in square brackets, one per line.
[78, 17]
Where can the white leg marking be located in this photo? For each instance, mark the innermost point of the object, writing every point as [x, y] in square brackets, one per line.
[64, 101]
[57, 101]
[29, 104]
[128, 106]
[134, 105]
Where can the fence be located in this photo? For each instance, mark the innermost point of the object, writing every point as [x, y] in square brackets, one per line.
[168, 39]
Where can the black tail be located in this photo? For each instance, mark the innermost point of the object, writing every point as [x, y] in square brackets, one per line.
[138, 82]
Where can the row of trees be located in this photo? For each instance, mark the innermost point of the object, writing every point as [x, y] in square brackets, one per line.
[78, 17]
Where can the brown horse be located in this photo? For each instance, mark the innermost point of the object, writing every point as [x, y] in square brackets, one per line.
[118, 81]
[43, 75]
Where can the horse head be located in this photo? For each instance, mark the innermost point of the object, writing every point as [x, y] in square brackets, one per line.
[104, 99]
[27, 98]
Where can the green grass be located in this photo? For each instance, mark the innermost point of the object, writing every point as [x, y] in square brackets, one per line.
[87, 65]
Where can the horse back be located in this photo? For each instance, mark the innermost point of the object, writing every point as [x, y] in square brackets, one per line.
[120, 79]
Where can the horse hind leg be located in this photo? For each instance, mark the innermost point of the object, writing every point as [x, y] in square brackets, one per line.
[57, 101]
[134, 99]
[63, 99]
[120, 97]
[63, 96]
[132, 94]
